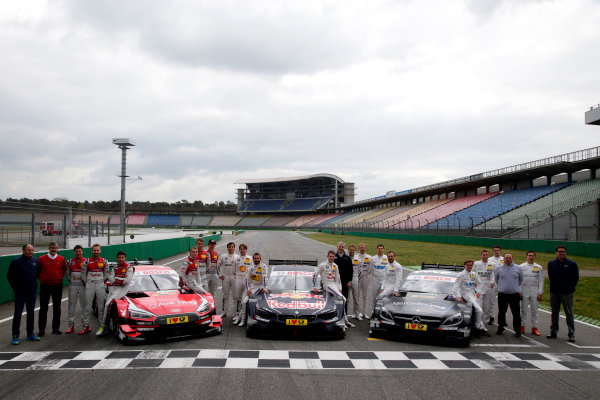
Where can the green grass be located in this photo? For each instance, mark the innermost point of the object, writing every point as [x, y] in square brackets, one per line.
[413, 253]
[585, 300]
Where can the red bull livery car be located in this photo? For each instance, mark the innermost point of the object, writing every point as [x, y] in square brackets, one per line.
[156, 307]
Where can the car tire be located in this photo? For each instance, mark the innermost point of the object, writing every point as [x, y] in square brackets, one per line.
[113, 325]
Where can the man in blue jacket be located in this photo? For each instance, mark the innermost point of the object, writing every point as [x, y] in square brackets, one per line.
[22, 277]
[563, 274]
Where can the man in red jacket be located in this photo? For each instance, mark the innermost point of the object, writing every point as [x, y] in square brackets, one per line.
[52, 272]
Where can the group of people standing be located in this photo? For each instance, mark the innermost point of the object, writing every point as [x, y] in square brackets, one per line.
[240, 275]
[89, 279]
[520, 288]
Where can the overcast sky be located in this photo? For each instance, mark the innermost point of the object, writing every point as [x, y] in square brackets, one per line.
[390, 95]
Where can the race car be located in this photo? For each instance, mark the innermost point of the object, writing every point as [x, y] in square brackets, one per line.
[157, 307]
[291, 306]
[425, 308]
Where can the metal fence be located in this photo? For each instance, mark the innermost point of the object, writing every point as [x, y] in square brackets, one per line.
[42, 229]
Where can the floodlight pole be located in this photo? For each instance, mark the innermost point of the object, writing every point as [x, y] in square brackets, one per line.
[123, 144]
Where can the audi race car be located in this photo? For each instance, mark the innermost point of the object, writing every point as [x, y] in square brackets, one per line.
[425, 307]
[291, 307]
[156, 307]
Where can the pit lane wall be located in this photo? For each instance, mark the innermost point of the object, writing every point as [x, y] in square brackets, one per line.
[585, 249]
[156, 249]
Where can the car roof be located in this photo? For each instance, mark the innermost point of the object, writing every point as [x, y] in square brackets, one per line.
[154, 268]
[307, 268]
[437, 272]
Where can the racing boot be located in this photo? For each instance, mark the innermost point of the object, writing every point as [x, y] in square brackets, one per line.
[242, 320]
[491, 321]
[522, 329]
[236, 318]
[101, 330]
[85, 330]
[359, 317]
[348, 323]
[70, 330]
[535, 331]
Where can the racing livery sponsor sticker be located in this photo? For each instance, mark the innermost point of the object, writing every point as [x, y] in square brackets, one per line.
[416, 277]
[300, 305]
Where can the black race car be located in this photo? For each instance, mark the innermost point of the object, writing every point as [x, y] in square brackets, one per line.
[425, 307]
[291, 307]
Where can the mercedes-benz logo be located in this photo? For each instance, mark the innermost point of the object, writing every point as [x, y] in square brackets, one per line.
[416, 320]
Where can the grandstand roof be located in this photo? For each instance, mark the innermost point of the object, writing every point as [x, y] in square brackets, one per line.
[287, 179]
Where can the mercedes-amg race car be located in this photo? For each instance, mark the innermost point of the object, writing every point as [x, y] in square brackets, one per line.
[156, 307]
[291, 307]
[425, 307]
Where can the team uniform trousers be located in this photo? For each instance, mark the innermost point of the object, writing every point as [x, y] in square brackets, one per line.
[556, 299]
[47, 292]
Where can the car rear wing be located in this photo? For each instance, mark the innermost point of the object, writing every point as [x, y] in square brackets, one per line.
[300, 261]
[149, 261]
[446, 267]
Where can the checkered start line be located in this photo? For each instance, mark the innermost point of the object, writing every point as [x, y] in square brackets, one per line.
[252, 359]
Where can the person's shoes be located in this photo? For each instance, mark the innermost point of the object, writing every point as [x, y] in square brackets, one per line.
[223, 315]
[242, 323]
[491, 321]
[522, 329]
[359, 317]
[367, 316]
[499, 331]
[70, 330]
[571, 339]
[101, 331]
[41, 333]
[484, 332]
[551, 335]
[518, 334]
[349, 324]
[85, 330]
[56, 332]
[15, 340]
[32, 338]
[535, 331]
[235, 320]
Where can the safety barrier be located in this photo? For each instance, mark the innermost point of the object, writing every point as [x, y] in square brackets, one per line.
[156, 249]
[585, 249]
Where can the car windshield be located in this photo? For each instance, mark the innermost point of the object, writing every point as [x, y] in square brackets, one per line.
[441, 284]
[152, 282]
[286, 281]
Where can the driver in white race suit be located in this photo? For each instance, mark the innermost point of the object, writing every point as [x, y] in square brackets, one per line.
[240, 281]
[532, 289]
[226, 269]
[485, 270]
[465, 290]
[362, 265]
[379, 265]
[330, 278]
[255, 278]
[118, 285]
[191, 272]
[392, 277]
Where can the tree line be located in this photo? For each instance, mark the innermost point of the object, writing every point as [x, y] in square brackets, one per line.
[115, 205]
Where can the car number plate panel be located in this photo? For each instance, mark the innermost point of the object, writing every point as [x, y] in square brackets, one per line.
[415, 327]
[177, 320]
[296, 322]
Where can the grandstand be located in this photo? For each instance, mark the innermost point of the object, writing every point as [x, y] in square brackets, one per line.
[291, 195]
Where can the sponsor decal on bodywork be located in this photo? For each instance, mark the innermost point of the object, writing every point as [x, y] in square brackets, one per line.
[300, 305]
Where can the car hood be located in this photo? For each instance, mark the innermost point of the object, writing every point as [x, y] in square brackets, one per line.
[295, 300]
[426, 304]
[166, 302]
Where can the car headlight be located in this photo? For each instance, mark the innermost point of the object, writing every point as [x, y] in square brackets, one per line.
[453, 319]
[385, 313]
[140, 314]
[203, 307]
[329, 314]
[263, 313]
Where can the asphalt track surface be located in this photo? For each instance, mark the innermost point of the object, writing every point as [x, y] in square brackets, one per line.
[72, 366]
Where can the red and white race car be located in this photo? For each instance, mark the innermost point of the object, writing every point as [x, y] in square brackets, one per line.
[156, 307]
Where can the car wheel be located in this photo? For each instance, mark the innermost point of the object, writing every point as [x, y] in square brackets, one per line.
[113, 325]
